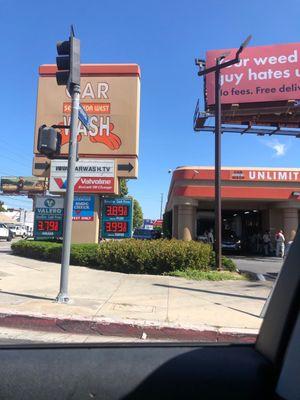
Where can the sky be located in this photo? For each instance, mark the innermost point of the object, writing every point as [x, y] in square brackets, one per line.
[164, 38]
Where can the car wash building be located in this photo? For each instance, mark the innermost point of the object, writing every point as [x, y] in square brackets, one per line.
[253, 200]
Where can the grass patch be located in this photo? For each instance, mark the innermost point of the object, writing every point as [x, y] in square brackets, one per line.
[197, 275]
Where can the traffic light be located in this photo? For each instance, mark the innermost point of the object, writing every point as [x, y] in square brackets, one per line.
[49, 141]
[68, 63]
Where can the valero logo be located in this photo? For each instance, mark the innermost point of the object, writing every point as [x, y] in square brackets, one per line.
[49, 203]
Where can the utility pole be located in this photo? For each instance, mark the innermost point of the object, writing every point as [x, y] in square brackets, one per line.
[218, 118]
[161, 204]
[68, 65]
[218, 199]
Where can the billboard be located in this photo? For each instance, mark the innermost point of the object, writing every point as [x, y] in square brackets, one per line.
[91, 176]
[48, 217]
[110, 94]
[116, 218]
[264, 81]
[23, 184]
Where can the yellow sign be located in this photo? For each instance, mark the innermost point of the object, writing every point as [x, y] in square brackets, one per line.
[110, 94]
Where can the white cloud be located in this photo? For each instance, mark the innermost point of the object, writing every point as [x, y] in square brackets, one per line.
[279, 148]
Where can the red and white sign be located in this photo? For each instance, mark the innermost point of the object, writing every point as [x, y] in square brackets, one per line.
[265, 175]
[158, 223]
[240, 174]
[264, 74]
[91, 176]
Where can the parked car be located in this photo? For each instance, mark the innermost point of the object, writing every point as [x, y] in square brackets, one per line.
[230, 241]
[18, 230]
[146, 234]
[5, 232]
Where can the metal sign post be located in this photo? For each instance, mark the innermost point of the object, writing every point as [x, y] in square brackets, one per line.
[63, 296]
[218, 199]
[217, 71]
[68, 74]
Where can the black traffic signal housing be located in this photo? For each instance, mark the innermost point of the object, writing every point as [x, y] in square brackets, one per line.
[49, 141]
[68, 63]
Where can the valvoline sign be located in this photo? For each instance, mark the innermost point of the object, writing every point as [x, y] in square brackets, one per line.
[91, 176]
[264, 74]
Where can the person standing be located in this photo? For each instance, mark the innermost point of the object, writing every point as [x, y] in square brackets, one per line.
[210, 237]
[266, 243]
[280, 247]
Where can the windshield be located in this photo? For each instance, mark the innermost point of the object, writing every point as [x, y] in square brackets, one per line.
[130, 213]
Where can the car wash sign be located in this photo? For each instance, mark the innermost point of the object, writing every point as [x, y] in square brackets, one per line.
[110, 97]
[91, 176]
[48, 217]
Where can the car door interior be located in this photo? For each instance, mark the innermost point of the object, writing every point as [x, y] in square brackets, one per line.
[168, 370]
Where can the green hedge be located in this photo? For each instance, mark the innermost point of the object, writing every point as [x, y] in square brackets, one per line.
[129, 256]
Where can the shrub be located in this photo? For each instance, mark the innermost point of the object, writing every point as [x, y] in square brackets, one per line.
[128, 256]
[228, 264]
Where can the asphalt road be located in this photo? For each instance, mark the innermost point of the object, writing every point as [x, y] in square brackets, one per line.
[268, 267]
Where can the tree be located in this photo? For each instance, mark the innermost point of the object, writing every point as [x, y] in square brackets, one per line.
[1, 206]
[137, 214]
[123, 189]
[137, 209]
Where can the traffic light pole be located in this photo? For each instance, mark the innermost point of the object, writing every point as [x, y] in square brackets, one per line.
[218, 198]
[216, 69]
[63, 296]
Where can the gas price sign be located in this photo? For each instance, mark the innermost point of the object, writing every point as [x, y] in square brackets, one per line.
[116, 218]
[48, 217]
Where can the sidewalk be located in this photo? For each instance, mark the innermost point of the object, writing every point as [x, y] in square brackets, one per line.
[127, 305]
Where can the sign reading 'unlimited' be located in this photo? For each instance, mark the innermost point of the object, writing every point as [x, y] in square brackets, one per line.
[265, 175]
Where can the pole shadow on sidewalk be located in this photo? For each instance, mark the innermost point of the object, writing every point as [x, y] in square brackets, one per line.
[211, 292]
[30, 296]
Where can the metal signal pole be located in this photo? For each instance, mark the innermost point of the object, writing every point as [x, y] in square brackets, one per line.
[161, 204]
[63, 296]
[218, 117]
[218, 199]
[68, 74]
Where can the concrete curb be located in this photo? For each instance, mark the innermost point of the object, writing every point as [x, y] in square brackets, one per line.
[126, 328]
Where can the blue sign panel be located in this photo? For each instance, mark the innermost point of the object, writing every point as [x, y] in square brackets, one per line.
[83, 208]
[83, 117]
[48, 217]
[116, 221]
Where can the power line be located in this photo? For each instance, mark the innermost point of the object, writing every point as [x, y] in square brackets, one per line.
[15, 160]
[16, 153]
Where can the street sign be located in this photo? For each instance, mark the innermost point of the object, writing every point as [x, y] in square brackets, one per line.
[91, 176]
[84, 118]
[116, 218]
[48, 217]
[125, 167]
